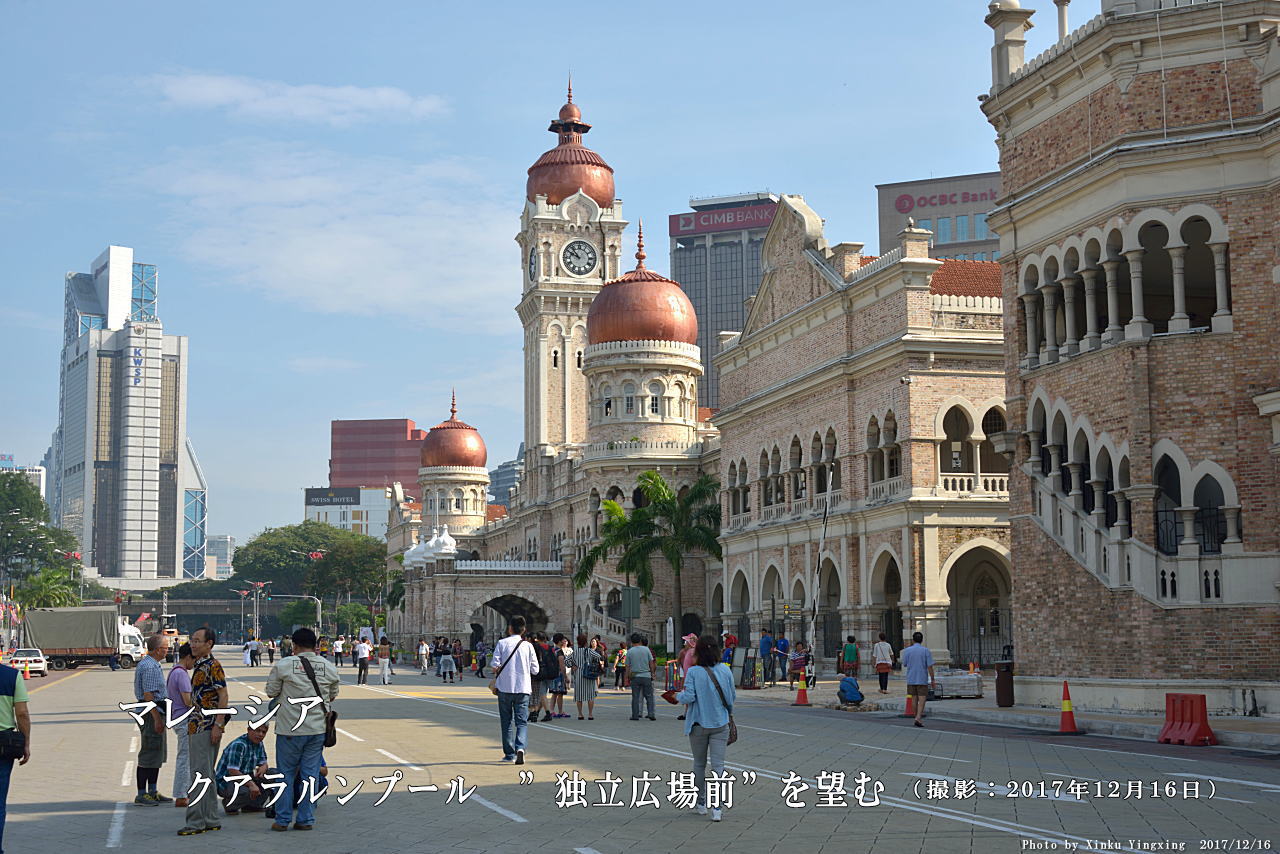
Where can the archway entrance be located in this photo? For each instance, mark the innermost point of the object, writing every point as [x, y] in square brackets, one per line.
[492, 617]
[886, 591]
[979, 625]
[829, 609]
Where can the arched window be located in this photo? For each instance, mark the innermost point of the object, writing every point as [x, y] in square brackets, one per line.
[555, 358]
[875, 465]
[1211, 519]
[1168, 497]
[629, 399]
[579, 359]
[956, 455]
[655, 399]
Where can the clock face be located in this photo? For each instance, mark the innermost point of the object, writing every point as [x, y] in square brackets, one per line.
[579, 257]
[533, 264]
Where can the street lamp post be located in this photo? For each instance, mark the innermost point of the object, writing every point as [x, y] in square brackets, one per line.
[315, 599]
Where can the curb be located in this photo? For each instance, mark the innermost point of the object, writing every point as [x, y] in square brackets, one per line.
[1120, 729]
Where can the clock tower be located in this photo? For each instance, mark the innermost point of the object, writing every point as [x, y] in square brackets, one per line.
[570, 243]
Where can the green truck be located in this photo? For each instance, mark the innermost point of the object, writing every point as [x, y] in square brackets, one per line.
[71, 637]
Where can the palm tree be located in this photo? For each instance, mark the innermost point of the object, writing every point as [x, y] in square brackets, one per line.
[49, 588]
[671, 524]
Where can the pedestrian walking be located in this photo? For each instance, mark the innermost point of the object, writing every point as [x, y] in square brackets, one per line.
[640, 674]
[514, 666]
[442, 649]
[767, 657]
[339, 649]
[685, 660]
[882, 656]
[271, 651]
[204, 731]
[178, 689]
[248, 653]
[849, 656]
[362, 652]
[384, 661]
[424, 655]
[300, 733]
[620, 668]
[148, 687]
[391, 656]
[13, 716]
[559, 685]
[587, 667]
[255, 652]
[548, 669]
[447, 667]
[782, 649]
[917, 661]
[459, 657]
[708, 693]
[482, 652]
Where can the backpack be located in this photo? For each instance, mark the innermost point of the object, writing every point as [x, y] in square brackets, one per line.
[591, 670]
[548, 664]
[849, 691]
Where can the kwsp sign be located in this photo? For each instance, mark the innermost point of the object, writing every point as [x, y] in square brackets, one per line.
[137, 366]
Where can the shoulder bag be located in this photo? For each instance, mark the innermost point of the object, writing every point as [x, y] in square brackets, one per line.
[733, 727]
[493, 683]
[330, 717]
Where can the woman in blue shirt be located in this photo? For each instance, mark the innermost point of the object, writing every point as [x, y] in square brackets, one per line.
[707, 719]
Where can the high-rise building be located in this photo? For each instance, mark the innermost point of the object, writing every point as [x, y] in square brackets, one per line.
[505, 477]
[361, 510]
[715, 256]
[126, 480]
[221, 547]
[35, 474]
[954, 209]
[374, 452]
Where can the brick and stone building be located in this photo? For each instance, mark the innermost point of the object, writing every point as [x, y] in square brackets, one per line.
[861, 491]
[1137, 232]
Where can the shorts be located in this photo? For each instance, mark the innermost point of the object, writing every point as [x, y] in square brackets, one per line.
[918, 690]
[153, 746]
[540, 687]
[557, 685]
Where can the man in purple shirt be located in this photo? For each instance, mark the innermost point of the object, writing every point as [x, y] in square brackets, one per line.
[178, 689]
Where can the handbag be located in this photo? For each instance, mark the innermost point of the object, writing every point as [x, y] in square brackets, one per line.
[733, 727]
[883, 667]
[493, 683]
[330, 717]
[13, 744]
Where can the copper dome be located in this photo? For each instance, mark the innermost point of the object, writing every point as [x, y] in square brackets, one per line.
[454, 443]
[570, 166]
[641, 306]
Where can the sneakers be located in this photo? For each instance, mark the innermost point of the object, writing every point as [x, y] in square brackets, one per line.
[160, 799]
[702, 810]
[280, 827]
[635, 719]
[651, 717]
[145, 800]
[508, 759]
[520, 757]
[715, 814]
[546, 716]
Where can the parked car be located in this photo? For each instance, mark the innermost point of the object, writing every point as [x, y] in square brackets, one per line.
[32, 658]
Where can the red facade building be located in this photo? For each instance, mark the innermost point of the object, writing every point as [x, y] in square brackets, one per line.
[375, 452]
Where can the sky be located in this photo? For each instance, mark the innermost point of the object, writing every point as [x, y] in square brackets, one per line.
[331, 190]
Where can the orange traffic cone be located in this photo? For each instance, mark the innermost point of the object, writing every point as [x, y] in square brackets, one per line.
[26, 670]
[1067, 724]
[802, 696]
[910, 711]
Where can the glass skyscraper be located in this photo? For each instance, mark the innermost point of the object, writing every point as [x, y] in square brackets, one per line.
[125, 478]
[715, 256]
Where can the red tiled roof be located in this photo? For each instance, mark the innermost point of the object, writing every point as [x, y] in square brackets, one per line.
[966, 279]
[867, 259]
[706, 412]
[494, 511]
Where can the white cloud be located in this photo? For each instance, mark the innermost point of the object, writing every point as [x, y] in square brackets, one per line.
[274, 100]
[424, 242]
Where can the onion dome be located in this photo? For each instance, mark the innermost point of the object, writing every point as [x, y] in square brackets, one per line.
[446, 546]
[417, 556]
[570, 166]
[453, 443]
[641, 306]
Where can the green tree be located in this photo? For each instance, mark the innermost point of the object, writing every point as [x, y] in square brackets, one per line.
[351, 617]
[299, 612]
[48, 588]
[671, 525]
[354, 566]
[28, 543]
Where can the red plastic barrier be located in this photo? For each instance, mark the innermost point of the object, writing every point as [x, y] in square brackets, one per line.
[1186, 721]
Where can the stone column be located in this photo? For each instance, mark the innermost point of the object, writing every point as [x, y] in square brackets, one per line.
[1113, 332]
[1091, 339]
[1232, 512]
[1049, 347]
[1032, 357]
[1188, 545]
[1180, 322]
[1055, 468]
[1221, 321]
[977, 465]
[1139, 327]
[1099, 514]
[1071, 345]
[1077, 493]
[1122, 513]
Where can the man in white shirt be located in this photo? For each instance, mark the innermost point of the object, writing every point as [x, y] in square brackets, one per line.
[424, 653]
[339, 646]
[361, 652]
[514, 665]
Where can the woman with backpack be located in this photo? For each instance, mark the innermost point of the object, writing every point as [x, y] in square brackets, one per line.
[708, 694]
[560, 645]
[586, 677]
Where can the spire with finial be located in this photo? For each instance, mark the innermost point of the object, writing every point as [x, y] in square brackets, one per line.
[453, 405]
[570, 87]
[640, 256]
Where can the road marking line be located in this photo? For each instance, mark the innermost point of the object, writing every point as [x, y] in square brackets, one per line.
[1071, 776]
[907, 752]
[485, 802]
[1122, 752]
[128, 772]
[395, 758]
[133, 744]
[116, 831]
[59, 682]
[1266, 787]
[1233, 800]
[776, 731]
[349, 735]
[1001, 825]
[590, 850]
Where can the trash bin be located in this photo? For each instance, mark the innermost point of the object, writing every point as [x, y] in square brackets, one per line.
[1004, 684]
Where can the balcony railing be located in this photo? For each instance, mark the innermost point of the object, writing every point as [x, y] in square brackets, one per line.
[884, 490]
[966, 483]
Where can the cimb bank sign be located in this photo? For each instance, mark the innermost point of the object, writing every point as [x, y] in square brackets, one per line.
[725, 219]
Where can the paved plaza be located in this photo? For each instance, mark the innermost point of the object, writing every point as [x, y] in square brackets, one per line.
[76, 793]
